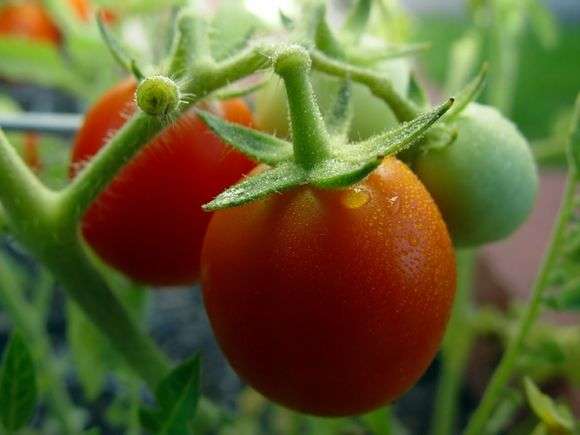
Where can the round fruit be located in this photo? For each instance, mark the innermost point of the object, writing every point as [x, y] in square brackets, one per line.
[331, 302]
[30, 20]
[371, 115]
[149, 223]
[485, 182]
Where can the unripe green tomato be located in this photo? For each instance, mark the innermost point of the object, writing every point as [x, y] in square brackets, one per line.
[371, 115]
[485, 182]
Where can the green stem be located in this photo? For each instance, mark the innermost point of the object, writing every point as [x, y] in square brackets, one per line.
[25, 318]
[455, 349]
[191, 44]
[506, 366]
[140, 129]
[380, 86]
[310, 139]
[21, 194]
[74, 271]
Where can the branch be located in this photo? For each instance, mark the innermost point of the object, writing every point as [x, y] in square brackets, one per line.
[21, 193]
[378, 85]
[142, 128]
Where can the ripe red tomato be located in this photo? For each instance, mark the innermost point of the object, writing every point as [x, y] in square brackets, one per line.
[30, 20]
[331, 302]
[149, 223]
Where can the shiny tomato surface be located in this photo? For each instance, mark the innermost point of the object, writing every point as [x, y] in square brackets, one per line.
[149, 223]
[30, 20]
[331, 302]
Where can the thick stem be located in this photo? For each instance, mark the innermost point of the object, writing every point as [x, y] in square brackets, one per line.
[27, 319]
[21, 194]
[191, 44]
[73, 270]
[380, 86]
[455, 349]
[506, 366]
[310, 139]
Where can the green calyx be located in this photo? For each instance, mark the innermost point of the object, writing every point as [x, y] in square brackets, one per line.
[319, 154]
[158, 96]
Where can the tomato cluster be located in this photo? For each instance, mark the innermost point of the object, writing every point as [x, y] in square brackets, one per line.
[331, 302]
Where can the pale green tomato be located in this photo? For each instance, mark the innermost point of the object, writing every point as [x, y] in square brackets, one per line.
[371, 115]
[484, 183]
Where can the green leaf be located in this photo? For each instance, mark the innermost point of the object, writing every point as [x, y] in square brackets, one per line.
[357, 20]
[178, 397]
[337, 173]
[467, 95]
[544, 23]
[231, 28]
[117, 51]
[90, 351]
[567, 299]
[286, 20]
[397, 139]
[18, 389]
[150, 419]
[417, 93]
[255, 187]
[574, 141]
[370, 56]
[508, 406]
[339, 116]
[36, 62]
[259, 146]
[324, 38]
[546, 410]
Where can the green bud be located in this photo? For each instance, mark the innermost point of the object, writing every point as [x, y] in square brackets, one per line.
[158, 95]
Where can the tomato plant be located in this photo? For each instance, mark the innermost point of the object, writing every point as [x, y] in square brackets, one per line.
[149, 222]
[328, 272]
[290, 280]
[485, 181]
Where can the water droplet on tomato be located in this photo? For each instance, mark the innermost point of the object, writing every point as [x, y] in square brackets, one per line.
[355, 198]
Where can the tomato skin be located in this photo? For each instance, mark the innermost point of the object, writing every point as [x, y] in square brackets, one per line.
[149, 223]
[371, 116]
[485, 183]
[30, 20]
[326, 304]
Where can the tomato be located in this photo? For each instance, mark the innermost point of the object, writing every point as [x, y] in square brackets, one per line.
[484, 183]
[331, 302]
[30, 20]
[149, 223]
[371, 115]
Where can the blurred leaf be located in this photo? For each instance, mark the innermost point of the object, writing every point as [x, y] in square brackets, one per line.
[18, 389]
[544, 23]
[357, 20]
[574, 138]
[150, 419]
[231, 28]
[38, 63]
[177, 396]
[566, 300]
[505, 410]
[89, 350]
[547, 411]
[418, 93]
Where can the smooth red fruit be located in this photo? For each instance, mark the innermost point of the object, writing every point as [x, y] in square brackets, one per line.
[331, 302]
[149, 223]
